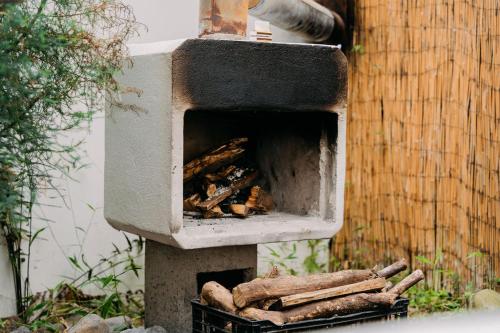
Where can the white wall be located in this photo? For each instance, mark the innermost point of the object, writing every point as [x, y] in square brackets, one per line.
[77, 226]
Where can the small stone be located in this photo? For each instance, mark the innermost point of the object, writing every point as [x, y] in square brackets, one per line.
[22, 329]
[118, 324]
[91, 323]
[486, 299]
[156, 329]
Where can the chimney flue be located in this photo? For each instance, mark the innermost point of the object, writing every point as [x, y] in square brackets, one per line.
[223, 19]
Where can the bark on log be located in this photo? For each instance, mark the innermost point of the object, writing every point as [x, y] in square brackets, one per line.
[259, 289]
[275, 317]
[339, 306]
[228, 191]
[217, 296]
[321, 309]
[215, 159]
[267, 303]
[407, 282]
[393, 269]
[312, 296]
[388, 286]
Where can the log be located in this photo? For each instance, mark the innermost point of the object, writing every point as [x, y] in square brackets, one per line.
[217, 296]
[189, 204]
[276, 317]
[312, 296]
[226, 192]
[267, 303]
[321, 309]
[213, 213]
[340, 306]
[211, 189]
[215, 177]
[393, 269]
[259, 289]
[388, 286]
[407, 282]
[215, 159]
[259, 200]
[239, 210]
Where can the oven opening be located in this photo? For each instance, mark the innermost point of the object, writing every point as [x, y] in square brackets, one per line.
[293, 154]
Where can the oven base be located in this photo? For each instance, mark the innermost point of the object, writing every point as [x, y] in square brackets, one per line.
[174, 277]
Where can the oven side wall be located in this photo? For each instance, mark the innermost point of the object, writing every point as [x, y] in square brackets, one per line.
[138, 163]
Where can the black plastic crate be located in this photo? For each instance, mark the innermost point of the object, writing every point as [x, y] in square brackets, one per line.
[209, 320]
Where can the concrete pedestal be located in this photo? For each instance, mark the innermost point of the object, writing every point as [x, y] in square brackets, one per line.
[175, 276]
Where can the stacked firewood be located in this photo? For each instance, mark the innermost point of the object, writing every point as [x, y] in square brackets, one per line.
[222, 183]
[289, 299]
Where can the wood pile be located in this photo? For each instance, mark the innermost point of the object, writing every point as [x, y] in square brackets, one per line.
[223, 183]
[289, 299]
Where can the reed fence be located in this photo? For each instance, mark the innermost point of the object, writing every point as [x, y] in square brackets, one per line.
[423, 164]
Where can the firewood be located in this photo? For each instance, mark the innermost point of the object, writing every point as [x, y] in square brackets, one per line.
[388, 286]
[213, 213]
[190, 203]
[239, 210]
[215, 177]
[312, 296]
[339, 306]
[211, 189]
[217, 296]
[321, 309]
[225, 193]
[276, 317]
[259, 289]
[259, 200]
[215, 159]
[393, 269]
[267, 303]
[253, 197]
[407, 282]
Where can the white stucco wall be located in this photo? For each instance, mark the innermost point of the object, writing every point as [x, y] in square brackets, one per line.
[77, 226]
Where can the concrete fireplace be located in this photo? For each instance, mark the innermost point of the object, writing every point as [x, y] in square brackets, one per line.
[193, 95]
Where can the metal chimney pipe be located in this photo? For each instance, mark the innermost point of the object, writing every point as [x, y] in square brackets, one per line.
[306, 17]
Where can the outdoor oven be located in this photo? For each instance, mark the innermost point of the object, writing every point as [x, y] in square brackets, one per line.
[192, 95]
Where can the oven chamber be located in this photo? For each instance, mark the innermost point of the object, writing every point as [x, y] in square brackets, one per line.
[192, 95]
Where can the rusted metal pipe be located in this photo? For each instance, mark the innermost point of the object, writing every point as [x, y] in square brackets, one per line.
[223, 19]
[311, 20]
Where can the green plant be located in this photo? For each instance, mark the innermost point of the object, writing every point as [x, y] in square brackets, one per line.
[428, 300]
[311, 263]
[444, 292]
[54, 55]
[50, 310]
[283, 256]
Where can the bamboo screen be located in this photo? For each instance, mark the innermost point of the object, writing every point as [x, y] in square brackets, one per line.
[424, 134]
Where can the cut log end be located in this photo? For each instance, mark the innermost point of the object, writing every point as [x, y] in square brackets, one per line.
[393, 269]
[239, 210]
[218, 296]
